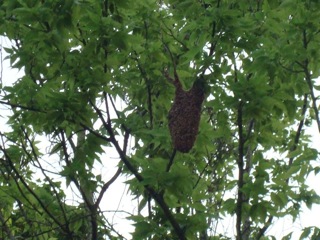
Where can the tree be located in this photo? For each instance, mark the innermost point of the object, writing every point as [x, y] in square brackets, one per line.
[103, 76]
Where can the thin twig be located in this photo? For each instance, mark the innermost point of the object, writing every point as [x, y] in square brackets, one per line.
[13, 105]
[28, 188]
[107, 185]
[36, 158]
[171, 160]
[240, 162]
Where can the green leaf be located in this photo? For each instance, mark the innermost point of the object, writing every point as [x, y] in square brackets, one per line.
[279, 199]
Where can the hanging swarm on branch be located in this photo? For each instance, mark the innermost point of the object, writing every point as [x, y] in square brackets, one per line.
[184, 115]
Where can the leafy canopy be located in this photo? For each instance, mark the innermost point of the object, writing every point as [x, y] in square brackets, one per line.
[96, 81]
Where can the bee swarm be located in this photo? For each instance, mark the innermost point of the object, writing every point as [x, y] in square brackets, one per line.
[184, 116]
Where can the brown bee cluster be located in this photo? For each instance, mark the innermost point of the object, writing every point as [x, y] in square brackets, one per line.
[184, 116]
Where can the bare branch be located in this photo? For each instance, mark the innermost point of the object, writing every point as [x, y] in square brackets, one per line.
[107, 185]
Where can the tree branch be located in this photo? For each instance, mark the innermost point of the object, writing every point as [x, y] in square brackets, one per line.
[13, 105]
[25, 184]
[240, 171]
[107, 185]
[5, 227]
[293, 148]
[35, 156]
[309, 82]
[156, 196]
[171, 160]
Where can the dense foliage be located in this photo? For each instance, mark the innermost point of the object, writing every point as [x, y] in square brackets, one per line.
[98, 80]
